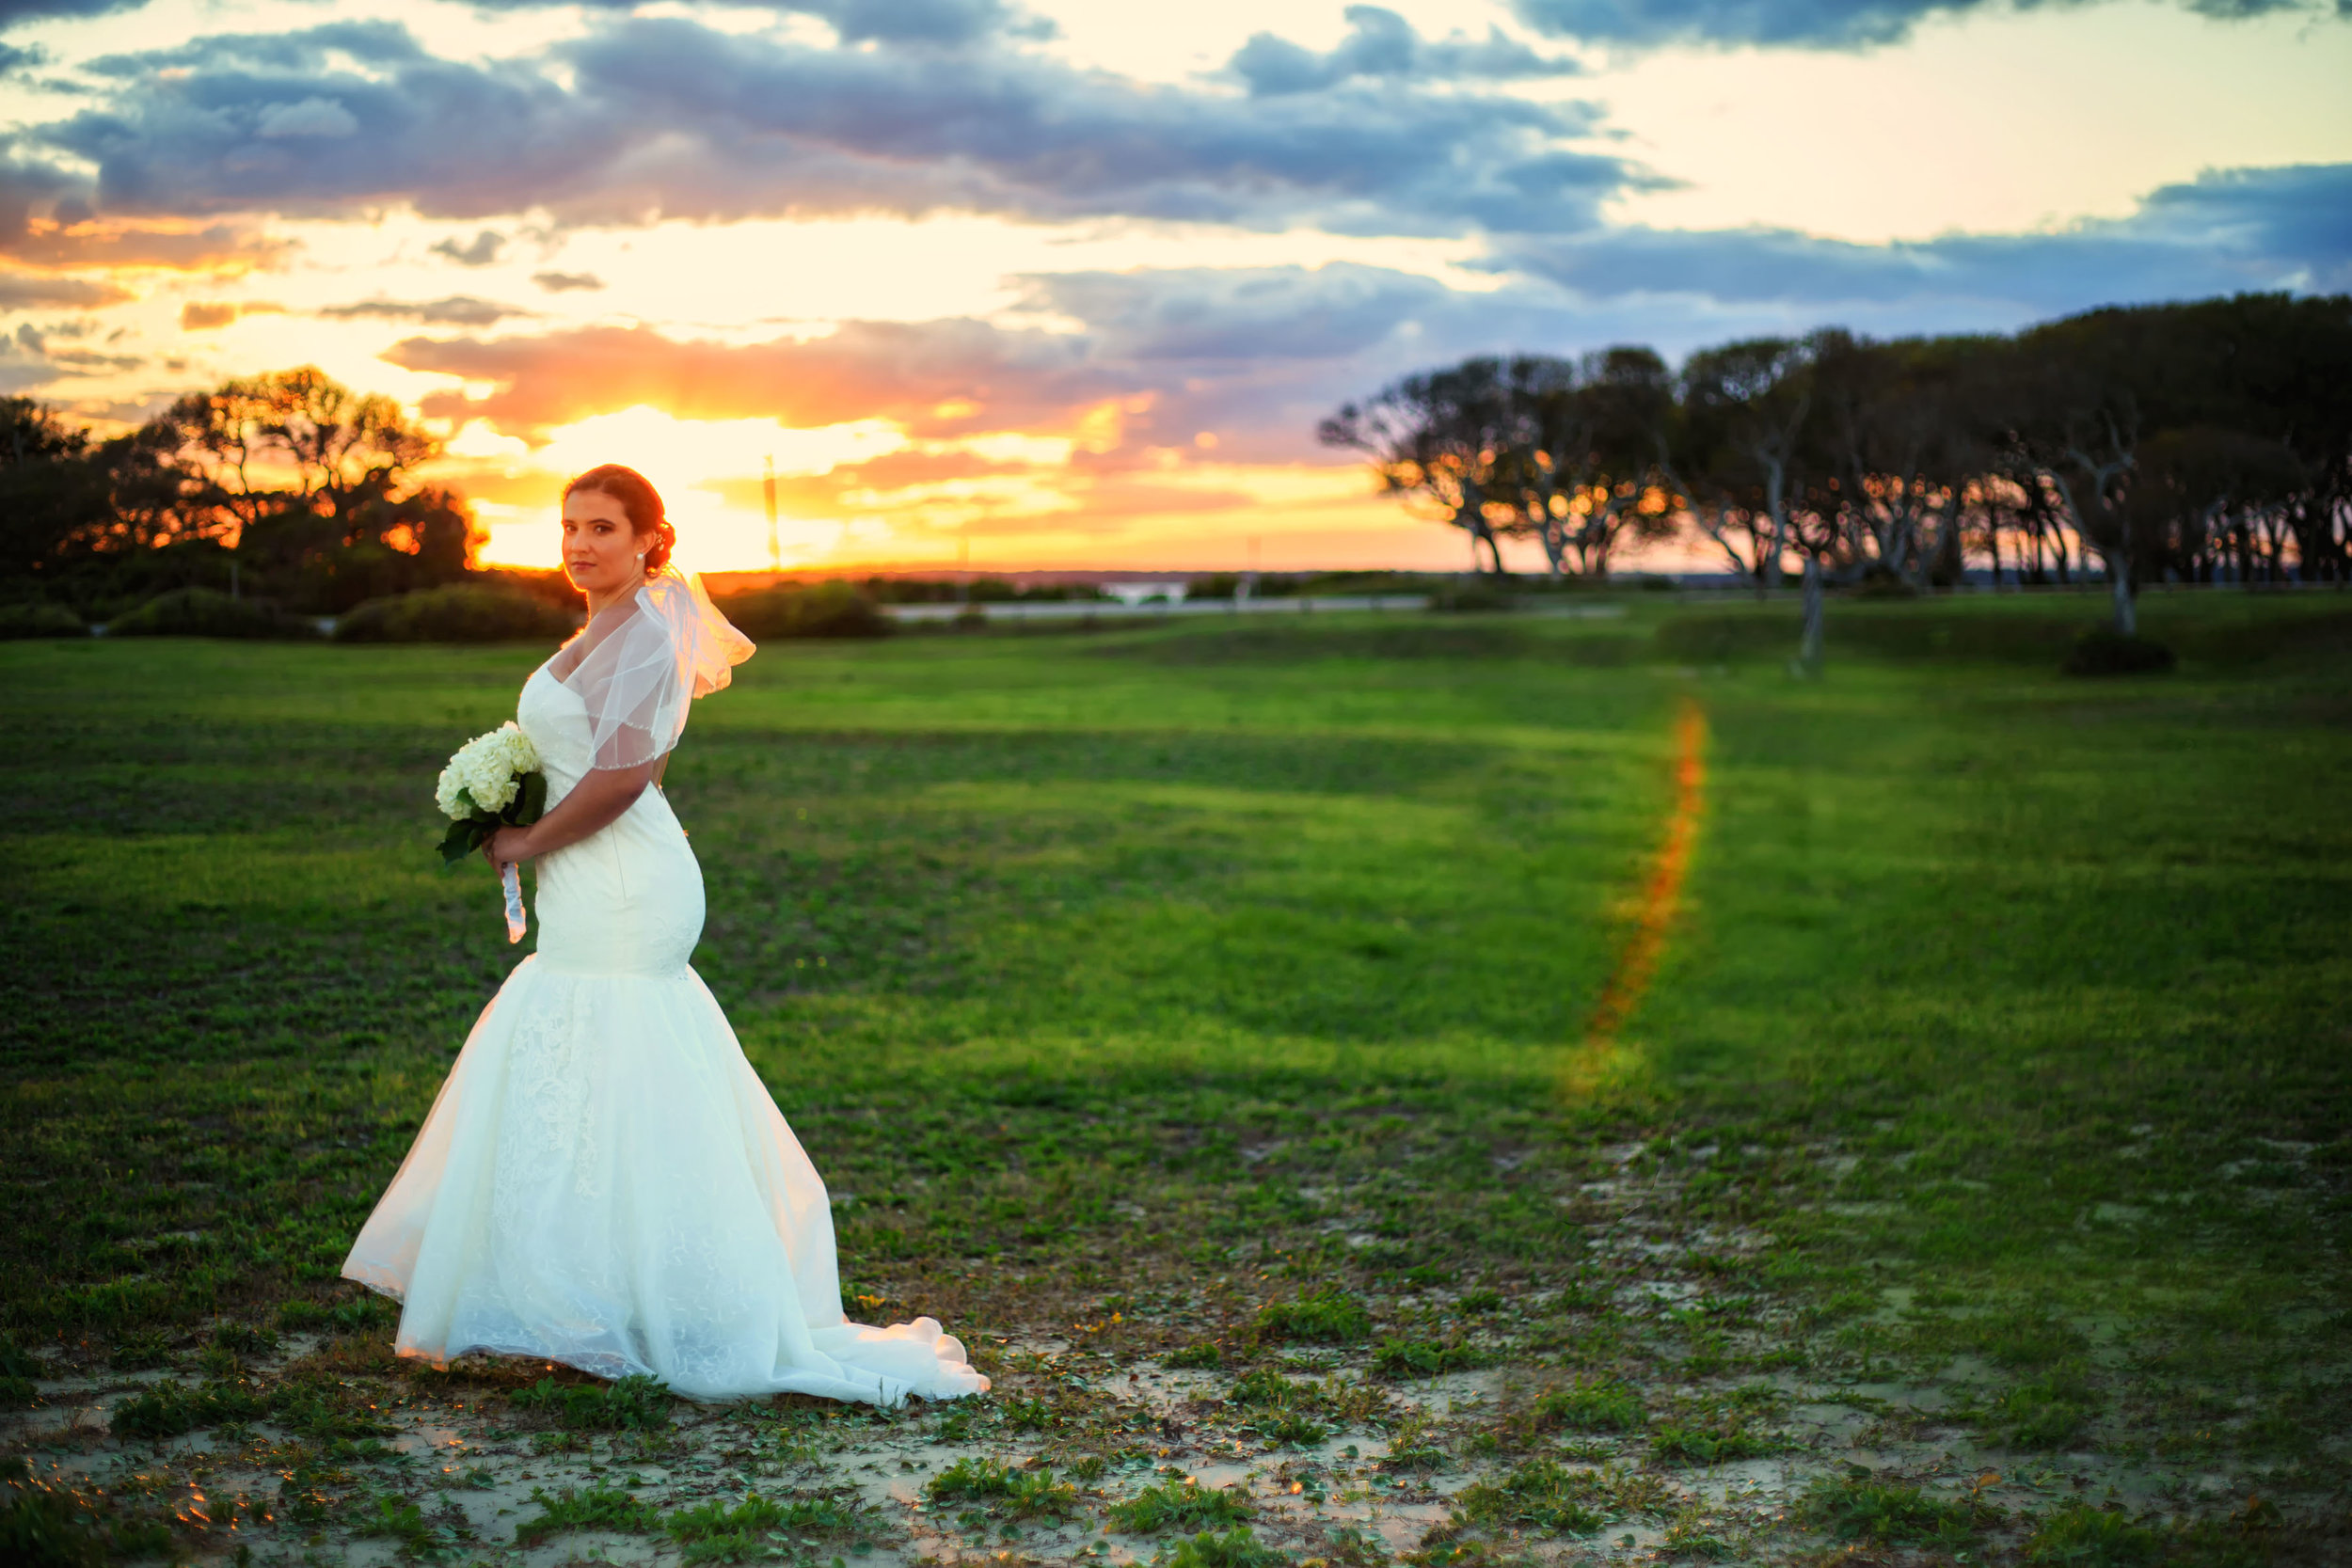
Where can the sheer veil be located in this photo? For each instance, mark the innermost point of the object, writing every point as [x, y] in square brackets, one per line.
[639, 666]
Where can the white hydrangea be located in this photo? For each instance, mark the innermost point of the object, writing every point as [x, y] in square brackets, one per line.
[486, 772]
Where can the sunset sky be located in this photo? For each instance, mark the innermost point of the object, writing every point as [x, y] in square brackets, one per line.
[1069, 284]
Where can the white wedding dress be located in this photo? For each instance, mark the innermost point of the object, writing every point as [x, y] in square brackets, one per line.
[603, 1180]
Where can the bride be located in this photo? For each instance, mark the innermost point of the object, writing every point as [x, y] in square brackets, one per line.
[603, 1180]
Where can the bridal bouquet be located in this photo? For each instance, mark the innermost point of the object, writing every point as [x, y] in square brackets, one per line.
[493, 781]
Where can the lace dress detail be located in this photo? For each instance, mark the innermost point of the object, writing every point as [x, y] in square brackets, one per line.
[603, 1180]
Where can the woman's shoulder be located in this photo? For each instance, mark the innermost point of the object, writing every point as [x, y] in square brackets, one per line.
[619, 630]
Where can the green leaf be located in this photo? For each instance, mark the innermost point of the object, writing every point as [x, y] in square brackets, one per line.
[531, 800]
[464, 837]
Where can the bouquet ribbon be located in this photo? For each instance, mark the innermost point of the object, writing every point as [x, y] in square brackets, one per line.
[511, 878]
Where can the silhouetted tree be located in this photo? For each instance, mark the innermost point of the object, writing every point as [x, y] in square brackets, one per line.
[1436, 437]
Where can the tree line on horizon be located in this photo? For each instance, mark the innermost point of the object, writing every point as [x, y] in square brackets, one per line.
[2200, 442]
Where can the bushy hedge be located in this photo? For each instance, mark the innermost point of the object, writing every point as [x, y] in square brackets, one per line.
[1476, 596]
[461, 612]
[207, 612]
[820, 610]
[2106, 652]
[39, 620]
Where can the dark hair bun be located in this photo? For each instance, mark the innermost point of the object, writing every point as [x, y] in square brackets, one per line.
[647, 519]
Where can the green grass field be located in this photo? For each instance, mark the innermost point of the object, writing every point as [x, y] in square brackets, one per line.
[1210, 1002]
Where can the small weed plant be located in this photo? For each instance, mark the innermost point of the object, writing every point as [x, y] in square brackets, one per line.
[1182, 1504]
[719, 1533]
[1539, 1494]
[2082, 1537]
[1854, 1508]
[1235, 1548]
[169, 1409]
[1410, 1359]
[1020, 1494]
[2047, 1413]
[634, 1403]
[1588, 1405]
[595, 1508]
[1326, 1317]
[1699, 1445]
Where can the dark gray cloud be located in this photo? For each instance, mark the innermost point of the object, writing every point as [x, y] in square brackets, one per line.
[2287, 228]
[14, 12]
[480, 251]
[1221, 315]
[19, 292]
[457, 310]
[661, 117]
[1809, 24]
[560, 282]
[364, 44]
[897, 22]
[1380, 43]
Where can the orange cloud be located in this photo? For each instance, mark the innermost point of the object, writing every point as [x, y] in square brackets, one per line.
[939, 376]
[218, 248]
[206, 316]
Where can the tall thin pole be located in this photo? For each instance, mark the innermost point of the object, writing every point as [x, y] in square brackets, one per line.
[767, 487]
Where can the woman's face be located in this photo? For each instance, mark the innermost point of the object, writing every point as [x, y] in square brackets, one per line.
[601, 552]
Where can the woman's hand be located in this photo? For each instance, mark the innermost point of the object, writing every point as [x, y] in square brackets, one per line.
[509, 845]
[590, 804]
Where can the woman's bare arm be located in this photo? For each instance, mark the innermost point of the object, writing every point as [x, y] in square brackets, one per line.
[597, 801]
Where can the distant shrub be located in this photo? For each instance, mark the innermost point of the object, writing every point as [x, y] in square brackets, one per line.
[2106, 652]
[1199, 1356]
[1476, 596]
[1714, 639]
[818, 610]
[460, 612]
[39, 620]
[1880, 583]
[207, 612]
